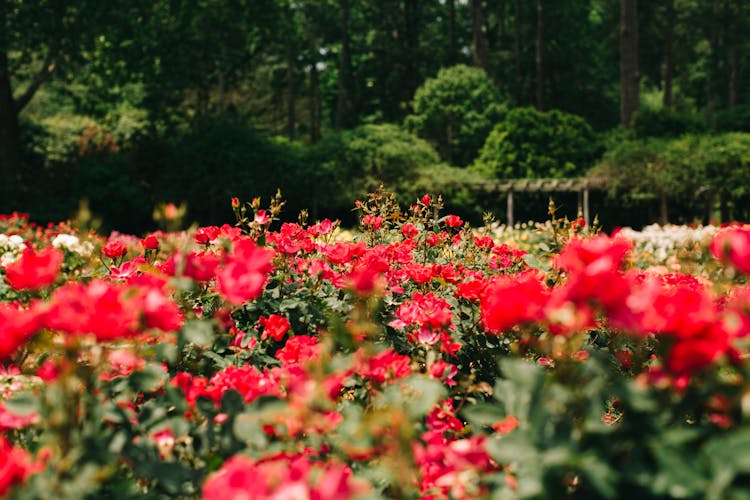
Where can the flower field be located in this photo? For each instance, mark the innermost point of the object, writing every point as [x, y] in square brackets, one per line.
[417, 358]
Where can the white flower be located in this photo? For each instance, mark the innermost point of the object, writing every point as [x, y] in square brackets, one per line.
[74, 244]
[7, 258]
[16, 241]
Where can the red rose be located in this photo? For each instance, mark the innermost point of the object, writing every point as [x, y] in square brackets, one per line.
[150, 242]
[34, 270]
[114, 249]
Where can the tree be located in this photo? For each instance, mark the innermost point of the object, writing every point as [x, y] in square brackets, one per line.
[478, 40]
[36, 39]
[539, 55]
[530, 143]
[451, 56]
[629, 75]
[455, 111]
[344, 117]
[668, 55]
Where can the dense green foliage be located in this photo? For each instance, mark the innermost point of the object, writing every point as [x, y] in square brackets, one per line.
[690, 170]
[455, 111]
[152, 89]
[662, 122]
[529, 143]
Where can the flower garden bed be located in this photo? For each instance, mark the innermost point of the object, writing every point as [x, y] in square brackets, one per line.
[417, 359]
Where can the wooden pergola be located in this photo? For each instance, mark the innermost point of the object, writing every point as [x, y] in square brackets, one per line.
[580, 185]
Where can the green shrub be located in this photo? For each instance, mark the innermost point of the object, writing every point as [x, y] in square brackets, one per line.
[358, 161]
[455, 111]
[220, 159]
[685, 170]
[349, 165]
[529, 143]
[665, 123]
[733, 120]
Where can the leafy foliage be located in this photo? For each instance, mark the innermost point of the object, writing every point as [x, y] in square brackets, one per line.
[455, 111]
[529, 143]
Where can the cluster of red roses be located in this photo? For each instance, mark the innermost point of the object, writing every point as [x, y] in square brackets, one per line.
[428, 277]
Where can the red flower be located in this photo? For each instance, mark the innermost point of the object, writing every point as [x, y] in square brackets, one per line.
[15, 466]
[510, 301]
[409, 230]
[454, 221]
[384, 366]
[372, 222]
[114, 249]
[274, 326]
[244, 275]
[18, 325]
[201, 266]
[34, 270]
[506, 425]
[100, 308]
[242, 477]
[159, 312]
[10, 420]
[732, 246]
[344, 251]
[150, 242]
[298, 349]
[204, 235]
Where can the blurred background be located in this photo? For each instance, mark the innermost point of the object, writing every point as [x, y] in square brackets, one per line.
[128, 104]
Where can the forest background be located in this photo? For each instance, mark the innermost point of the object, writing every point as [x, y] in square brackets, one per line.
[128, 104]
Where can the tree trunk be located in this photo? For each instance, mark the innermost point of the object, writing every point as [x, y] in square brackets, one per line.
[451, 32]
[517, 50]
[539, 55]
[663, 210]
[668, 59]
[713, 64]
[343, 102]
[734, 61]
[734, 54]
[501, 20]
[411, 19]
[629, 76]
[291, 101]
[314, 103]
[479, 44]
[10, 133]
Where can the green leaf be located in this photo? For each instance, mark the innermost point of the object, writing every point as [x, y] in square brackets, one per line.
[483, 414]
[417, 395]
[248, 429]
[198, 332]
[149, 379]
[22, 404]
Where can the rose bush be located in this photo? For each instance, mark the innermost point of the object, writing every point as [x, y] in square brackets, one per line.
[423, 359]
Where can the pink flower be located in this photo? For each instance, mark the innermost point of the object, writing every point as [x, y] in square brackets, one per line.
[262, 218]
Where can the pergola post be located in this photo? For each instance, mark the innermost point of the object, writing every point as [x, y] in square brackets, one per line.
[510, 208]
[586, 216]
